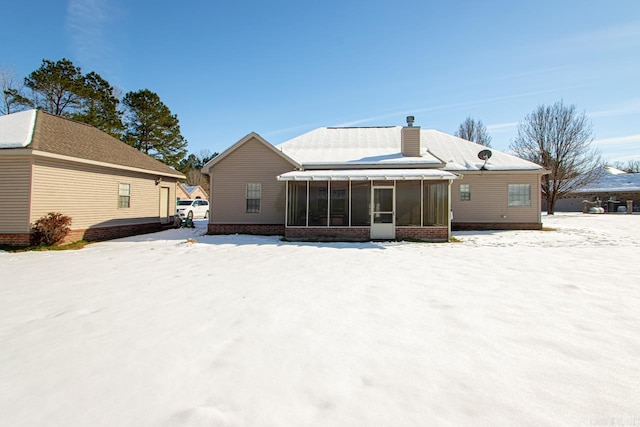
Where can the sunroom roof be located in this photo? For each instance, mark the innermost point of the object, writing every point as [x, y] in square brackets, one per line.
[367, 175]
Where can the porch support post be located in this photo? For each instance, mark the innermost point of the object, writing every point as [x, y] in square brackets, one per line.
[306, 224]
[328, 203]
[449, 213]
[286, 204]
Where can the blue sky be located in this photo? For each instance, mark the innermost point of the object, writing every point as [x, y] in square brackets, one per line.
[282, 68]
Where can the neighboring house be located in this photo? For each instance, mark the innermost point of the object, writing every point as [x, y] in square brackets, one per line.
[52, 164]
[613, 189]
[366, 183]
[185, 191]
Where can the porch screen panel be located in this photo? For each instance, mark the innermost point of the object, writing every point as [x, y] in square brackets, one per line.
[318, 203]
[408, 203]
[435, 204]
[360, 203]
[339, 203]
[297, 212]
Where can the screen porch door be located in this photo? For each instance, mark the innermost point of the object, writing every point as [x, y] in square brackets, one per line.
[383, 224]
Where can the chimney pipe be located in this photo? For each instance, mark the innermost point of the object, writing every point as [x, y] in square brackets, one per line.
[410, 120]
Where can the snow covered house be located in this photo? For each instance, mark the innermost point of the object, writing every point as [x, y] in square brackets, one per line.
[52, 164]
[185, 191]
[612, 189]
[361, 183]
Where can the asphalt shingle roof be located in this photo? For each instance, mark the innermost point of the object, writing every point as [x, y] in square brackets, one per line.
[57, 135]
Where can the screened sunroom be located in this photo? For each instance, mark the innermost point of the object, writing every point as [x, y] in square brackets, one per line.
[368, 204]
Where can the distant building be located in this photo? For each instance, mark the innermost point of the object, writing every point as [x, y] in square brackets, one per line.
[614, 185]
[185, 191]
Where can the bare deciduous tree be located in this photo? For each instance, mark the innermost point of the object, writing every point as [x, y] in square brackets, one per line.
[12, 89]
[559, 139]
[475, 131]
[632, 166]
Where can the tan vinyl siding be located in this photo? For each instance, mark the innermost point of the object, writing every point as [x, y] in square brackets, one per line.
[15, 184]
[489, 198]
[198, 192]
[89, 194]
[252, 162]
[410, 141]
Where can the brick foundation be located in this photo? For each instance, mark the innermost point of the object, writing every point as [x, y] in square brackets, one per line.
[15, 239]
[328, 234]
[430, 234]
[259, 229]
[461, 226]
[108, 233]
[89, 234]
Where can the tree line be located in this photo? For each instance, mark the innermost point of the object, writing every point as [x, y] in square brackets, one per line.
[139, 118]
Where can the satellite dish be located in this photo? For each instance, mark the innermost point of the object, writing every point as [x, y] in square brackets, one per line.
[485, 155]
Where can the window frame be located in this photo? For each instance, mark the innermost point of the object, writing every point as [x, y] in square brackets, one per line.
[516, 195]
[465, 195]
[124, 200]
[253, 204]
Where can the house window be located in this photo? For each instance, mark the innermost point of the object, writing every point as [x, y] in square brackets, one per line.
[124, 195]
[254, 194]
[465, 192]
[519, 194]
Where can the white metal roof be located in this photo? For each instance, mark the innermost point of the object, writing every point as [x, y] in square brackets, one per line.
[381, 147]
[16, 129]
[462, 155]
[613, 181]
[373, 146]
[367, 175]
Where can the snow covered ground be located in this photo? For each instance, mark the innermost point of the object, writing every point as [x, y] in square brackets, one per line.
[508, 328]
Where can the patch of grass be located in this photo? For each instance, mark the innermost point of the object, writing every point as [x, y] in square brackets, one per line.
[68, 247]
[548, 229]
[455, 240]
[191, 240]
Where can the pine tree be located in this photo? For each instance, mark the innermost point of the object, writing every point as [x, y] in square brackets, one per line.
[99, 106]
[60, 88]
[152, 129]
[56, 87]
